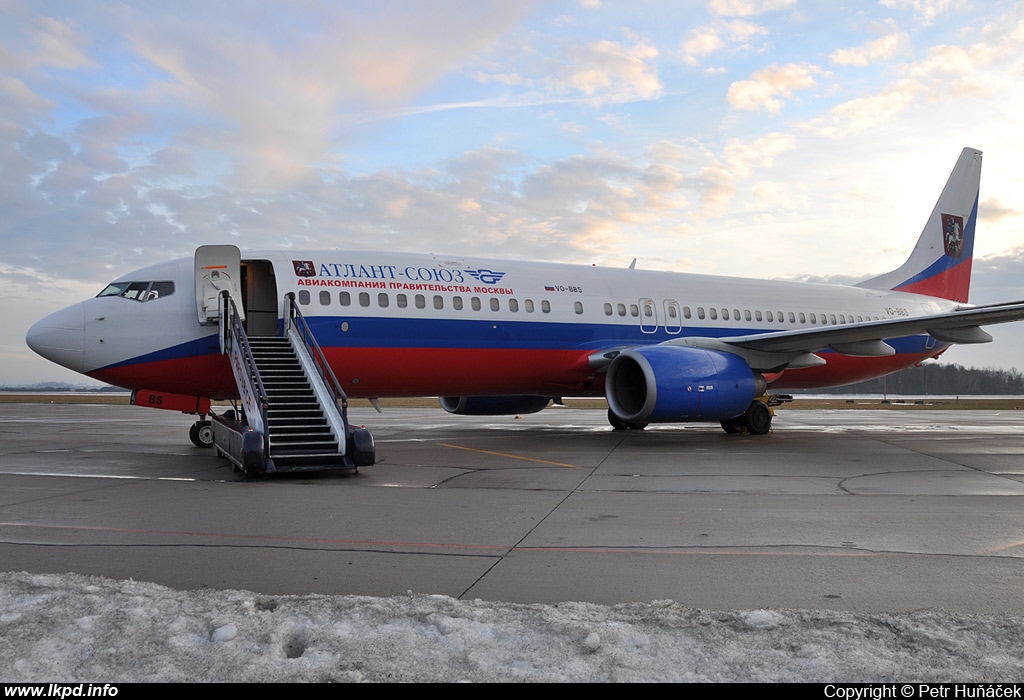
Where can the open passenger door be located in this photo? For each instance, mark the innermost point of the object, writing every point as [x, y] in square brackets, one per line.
[217, 269]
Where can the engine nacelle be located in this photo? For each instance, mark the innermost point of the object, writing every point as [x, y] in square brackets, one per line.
[668, 383]
[493, 405]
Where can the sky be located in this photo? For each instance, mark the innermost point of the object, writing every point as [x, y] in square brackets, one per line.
[785, 139]
[81, 629]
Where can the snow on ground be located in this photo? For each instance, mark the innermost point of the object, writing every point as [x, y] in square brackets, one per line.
[74, 628]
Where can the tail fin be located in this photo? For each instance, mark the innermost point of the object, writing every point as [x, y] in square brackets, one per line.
[940, 265]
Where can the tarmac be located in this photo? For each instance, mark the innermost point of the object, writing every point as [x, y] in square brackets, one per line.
[854, 510]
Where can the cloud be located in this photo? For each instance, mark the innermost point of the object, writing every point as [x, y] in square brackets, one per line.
[607, 71]
[56, 44]
[734, 35]
[864, 113]
[747, 8]
[738, 161]
[883, 48]
[992, 211]
[948, 71]
[276, 102]
[926, 10]
[766, 87]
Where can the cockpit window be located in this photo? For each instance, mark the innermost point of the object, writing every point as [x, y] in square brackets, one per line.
[113, 290]
[139, 291]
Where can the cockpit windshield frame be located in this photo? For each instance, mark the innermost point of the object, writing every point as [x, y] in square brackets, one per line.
[139, 291]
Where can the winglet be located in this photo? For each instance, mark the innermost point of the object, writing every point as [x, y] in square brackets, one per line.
[940, 265]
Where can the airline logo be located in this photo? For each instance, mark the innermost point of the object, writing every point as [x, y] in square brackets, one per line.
[953, 235]
[486, 276]
[432, 279]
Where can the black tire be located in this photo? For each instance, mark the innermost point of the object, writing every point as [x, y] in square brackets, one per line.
[361, 448]
[734, 426]
[758, 418]
[619, 424]
[201, 433]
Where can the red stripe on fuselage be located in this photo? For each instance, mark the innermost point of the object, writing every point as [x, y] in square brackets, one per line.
[202, 375]
[843, 369]
[372, 372]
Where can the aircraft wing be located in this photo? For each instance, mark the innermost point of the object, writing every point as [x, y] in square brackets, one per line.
[867, 339]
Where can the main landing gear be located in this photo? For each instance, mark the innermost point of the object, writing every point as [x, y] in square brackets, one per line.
[619, 424]
[756, 420]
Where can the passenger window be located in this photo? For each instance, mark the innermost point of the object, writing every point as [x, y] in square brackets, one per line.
[713, 312]
[475, 303]
[513, 305]
[325, 298]
[457, 303]
[634, 310]
[383, 301]
[304, 297]
[529, 306]
[621, 309]
[495, 304]
[686, 312]
[803, 317]
[700, 312]
[364, 299]
[421, 301]
[545, 306]
[607, 309]
[579, 307]
[438, 302]
[725, 314]
[402, 301]
[345, 298]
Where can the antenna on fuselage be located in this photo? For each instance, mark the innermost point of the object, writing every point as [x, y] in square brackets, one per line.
[632, 265]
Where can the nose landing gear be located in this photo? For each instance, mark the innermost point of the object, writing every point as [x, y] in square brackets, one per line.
[201, 433]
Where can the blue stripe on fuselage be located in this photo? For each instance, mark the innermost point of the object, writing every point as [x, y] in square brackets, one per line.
[494, 334]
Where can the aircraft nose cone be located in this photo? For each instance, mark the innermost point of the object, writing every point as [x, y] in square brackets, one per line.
[60, 337]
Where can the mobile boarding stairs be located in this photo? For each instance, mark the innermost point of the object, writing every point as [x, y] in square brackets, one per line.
[295, 413]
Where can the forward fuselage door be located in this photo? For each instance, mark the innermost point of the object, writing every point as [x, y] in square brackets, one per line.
[217, 269]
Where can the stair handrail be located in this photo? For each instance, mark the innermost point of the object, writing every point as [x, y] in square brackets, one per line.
[235, 342]
[297, 320]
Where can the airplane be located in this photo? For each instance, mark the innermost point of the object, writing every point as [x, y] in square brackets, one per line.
[493, 337]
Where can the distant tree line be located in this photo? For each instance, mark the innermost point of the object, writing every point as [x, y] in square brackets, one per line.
[943, 379]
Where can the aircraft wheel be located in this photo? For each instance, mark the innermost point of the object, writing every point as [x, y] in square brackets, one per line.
[619, 424]
[201, 433]
[758, 418]
[733, 426]
[361, 448]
